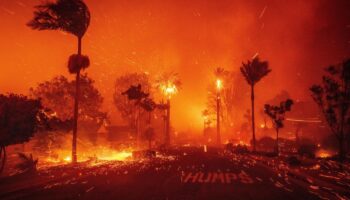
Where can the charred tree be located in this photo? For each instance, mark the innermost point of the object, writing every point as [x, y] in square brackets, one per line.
[333, 98]
[277, 115]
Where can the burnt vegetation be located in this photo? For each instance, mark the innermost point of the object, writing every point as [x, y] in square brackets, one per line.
[333, 98]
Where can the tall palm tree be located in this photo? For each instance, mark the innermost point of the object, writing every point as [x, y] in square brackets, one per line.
[71, 16]
[253, 71]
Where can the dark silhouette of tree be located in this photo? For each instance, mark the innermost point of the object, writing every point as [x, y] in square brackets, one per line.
[149, 106]
[128, 109]
[333, 98]
[135, 94]
[20, 118]
[281, 96]
[168, 84]
[58, 94]
[277, 115]
[71, 16]
[253, 71]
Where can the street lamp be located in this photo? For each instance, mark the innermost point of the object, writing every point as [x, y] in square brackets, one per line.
[218, 101]
[169, 89]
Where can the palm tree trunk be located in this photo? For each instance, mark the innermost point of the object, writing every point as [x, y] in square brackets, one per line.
[167, 126]
[253, 117]
[218, 136]
[2, 158]
[76, 109]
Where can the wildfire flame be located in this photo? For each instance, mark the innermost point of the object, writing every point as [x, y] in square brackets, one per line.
[68, 159]
[121, 156]
[99, 154]
[324, 153]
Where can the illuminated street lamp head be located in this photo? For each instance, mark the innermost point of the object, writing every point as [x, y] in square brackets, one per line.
[218, 84]
[169, 89]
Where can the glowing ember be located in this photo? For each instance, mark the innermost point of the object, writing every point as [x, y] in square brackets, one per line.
[323, 155]
[96, 154]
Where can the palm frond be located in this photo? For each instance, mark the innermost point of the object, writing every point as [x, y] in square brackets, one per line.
[169, 77]
[72, 16]
[254, 70]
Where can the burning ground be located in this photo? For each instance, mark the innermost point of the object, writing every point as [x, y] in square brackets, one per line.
[185, 173]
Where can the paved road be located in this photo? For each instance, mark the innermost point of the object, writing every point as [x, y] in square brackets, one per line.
[189, 174]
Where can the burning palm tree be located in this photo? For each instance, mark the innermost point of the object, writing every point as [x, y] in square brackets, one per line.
[71, 16]
[253, 71]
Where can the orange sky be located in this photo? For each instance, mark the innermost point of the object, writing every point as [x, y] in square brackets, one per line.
[297, 37]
